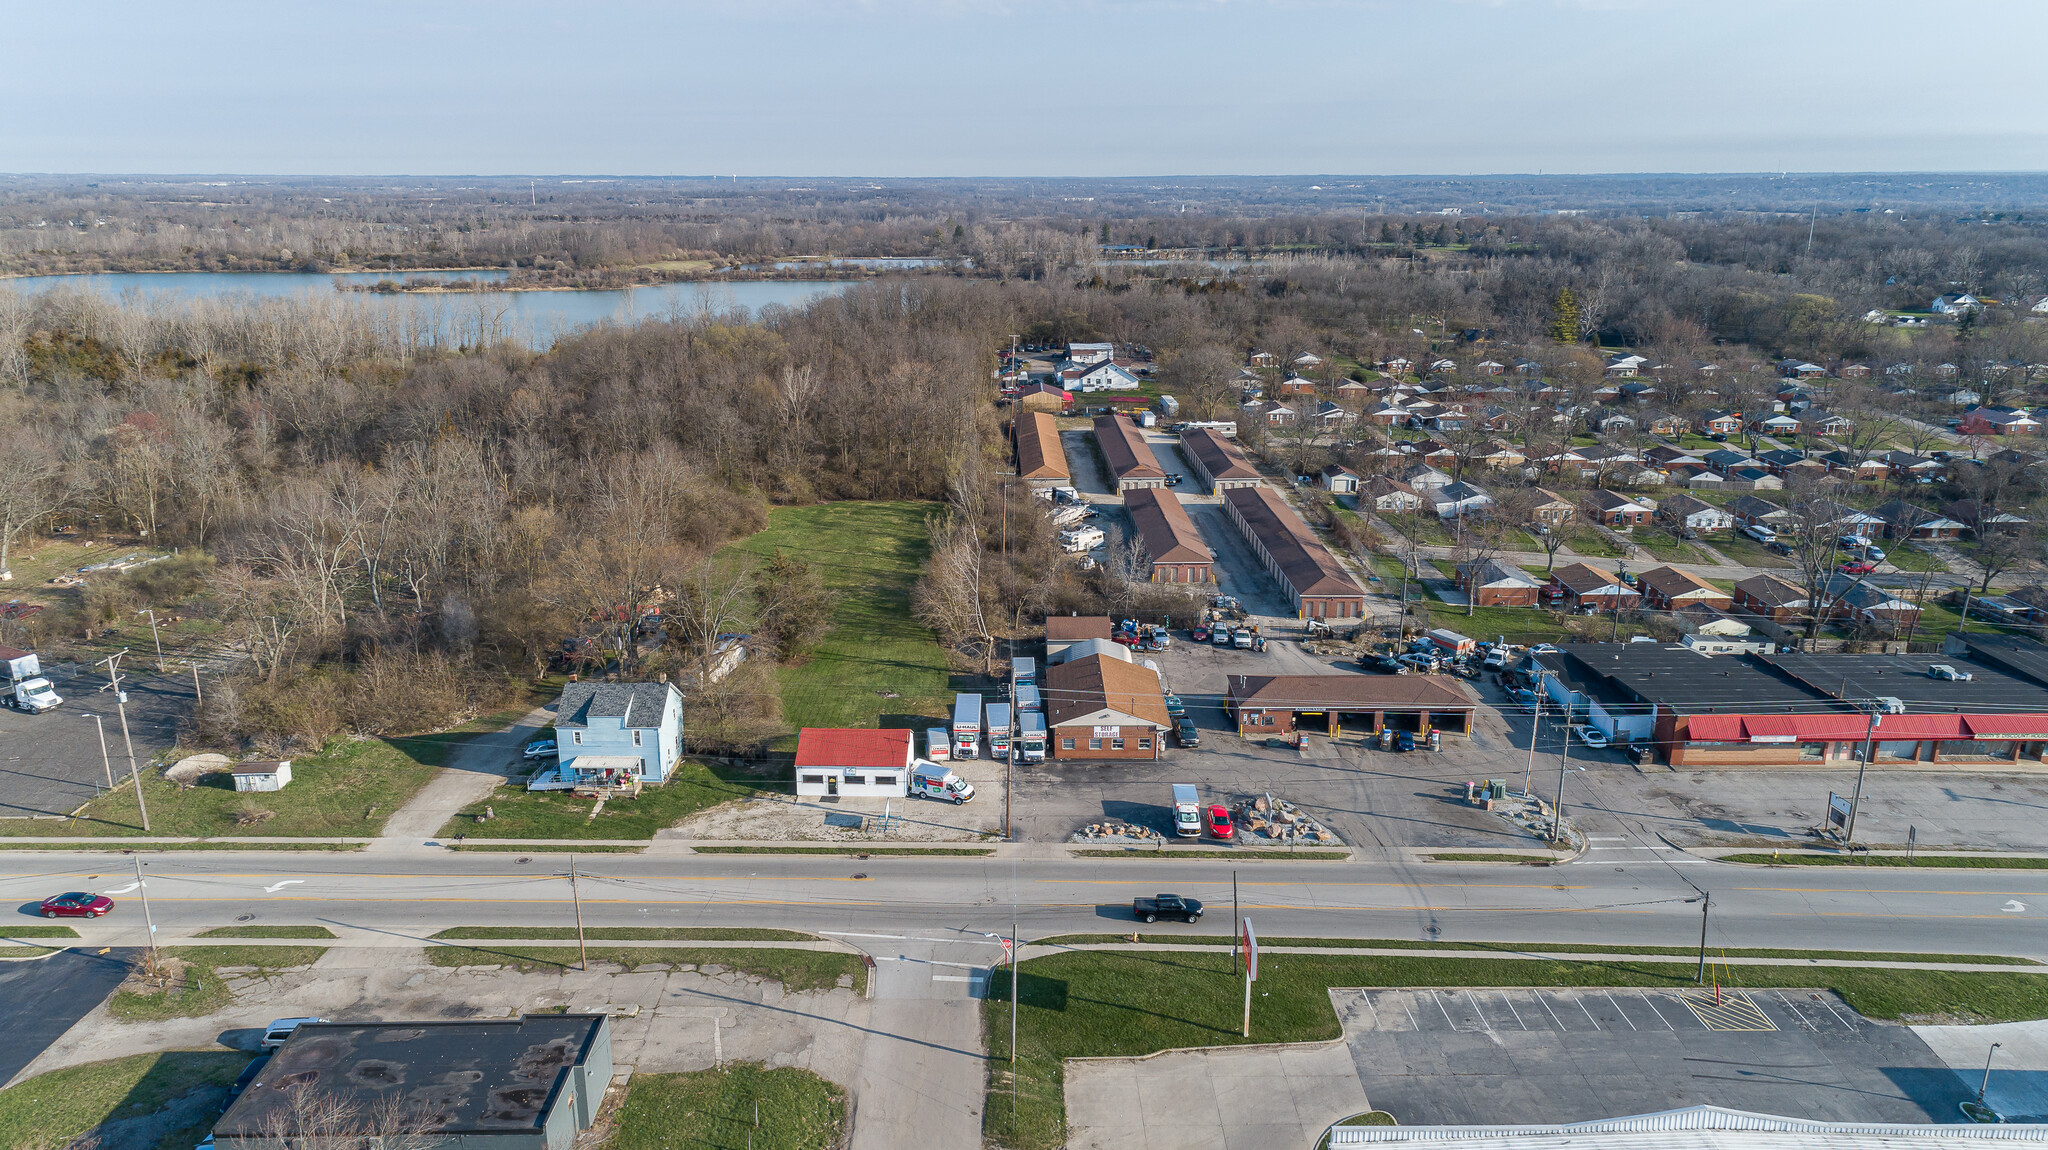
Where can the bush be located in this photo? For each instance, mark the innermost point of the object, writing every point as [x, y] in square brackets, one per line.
[383, 694]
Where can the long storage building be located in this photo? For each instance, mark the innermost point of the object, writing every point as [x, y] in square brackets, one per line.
[1217, 461]
[1131, 462]
[1315, 584]
[1040, 456]
[1175, 548]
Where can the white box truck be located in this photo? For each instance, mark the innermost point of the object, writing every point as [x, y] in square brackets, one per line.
[967, 726]
[998, 729]
[938, 744]
[1023, 671]
[932, 781]
[1029, 701]
[18, 666]
[1031, 737]
[1187, 812]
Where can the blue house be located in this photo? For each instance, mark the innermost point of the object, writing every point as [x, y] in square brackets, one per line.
[617, 729]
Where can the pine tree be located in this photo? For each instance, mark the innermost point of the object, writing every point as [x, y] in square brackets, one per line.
[1565, 328]
[1386, 233]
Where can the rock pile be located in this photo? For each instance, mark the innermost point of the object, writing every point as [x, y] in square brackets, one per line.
[1280, 822]
[1094, 831]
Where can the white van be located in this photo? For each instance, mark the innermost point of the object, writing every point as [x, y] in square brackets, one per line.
[932, 781]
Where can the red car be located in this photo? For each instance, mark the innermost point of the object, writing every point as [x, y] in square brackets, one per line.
[77, 904]
[1863, 567]
[1219, 822]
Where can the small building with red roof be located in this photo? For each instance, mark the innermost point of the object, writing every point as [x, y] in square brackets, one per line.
[853, 763]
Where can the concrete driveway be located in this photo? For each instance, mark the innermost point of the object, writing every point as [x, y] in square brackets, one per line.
[1263, 1098]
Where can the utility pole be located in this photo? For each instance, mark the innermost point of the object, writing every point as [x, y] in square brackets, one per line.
[1557, 813]
[197, 696]
[1535, 725]
[104, 760]
[113, 663]
[1705, 901]
[576, 896]
[142, 892]
[155, 638]
[1856, 801]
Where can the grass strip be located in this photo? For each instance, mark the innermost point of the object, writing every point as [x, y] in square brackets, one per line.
[632, 933]
[38, 930]
[266, 932]
[54, 1109]
[1109, 1003]
[547, 848]
[1962, 862]
[794, 969]
[868, 852]
[517, 813]
[797, 1110]
[27, 951]
[1250, 853]
[1535, 948]
[199, 989]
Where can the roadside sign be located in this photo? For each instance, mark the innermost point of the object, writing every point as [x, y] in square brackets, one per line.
[1251, 952]
[1838, 810]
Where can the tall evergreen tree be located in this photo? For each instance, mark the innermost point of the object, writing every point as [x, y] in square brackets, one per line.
[1565, 328]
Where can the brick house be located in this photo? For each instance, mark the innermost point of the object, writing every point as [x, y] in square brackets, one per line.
[1102, 708]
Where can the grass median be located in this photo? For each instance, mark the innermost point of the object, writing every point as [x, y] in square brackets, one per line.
[743, 1105]
[1126, 1003]
[1276, 854]
[53, 1109]
[1959, 862]
[857, 851]
[1538, 948]
[266, 932]
[194, 986]
[794, 969]
[631, 933]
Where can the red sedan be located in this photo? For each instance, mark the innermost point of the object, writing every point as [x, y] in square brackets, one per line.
[1862, 567]
[1219, 822]
[77, 904]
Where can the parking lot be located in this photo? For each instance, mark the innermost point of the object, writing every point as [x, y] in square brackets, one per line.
[50, 763]
[1471, 1056]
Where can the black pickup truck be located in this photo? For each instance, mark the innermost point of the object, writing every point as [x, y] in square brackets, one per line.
[1170, 905]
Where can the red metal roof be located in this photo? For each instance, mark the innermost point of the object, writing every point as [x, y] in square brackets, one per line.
[1854, 728]
[852, 747]
[1714, 728]
[2027, 726]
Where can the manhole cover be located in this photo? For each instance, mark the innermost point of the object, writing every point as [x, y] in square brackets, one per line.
[244, 917]
[862, 874]
[522, 860]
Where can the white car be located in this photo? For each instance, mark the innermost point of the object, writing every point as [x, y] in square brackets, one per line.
[1590, 735]
[542, 749]
[275, 1034]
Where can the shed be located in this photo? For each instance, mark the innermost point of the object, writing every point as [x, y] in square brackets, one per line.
[263, 775]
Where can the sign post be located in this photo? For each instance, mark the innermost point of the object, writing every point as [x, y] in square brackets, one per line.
[1251, 972]
[1838, 811]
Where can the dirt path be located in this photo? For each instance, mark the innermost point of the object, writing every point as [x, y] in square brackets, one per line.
[473, 770]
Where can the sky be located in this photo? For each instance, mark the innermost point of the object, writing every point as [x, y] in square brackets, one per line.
[1022, 88]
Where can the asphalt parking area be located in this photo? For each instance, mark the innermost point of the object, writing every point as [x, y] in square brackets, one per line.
[1489, 1057]
[50, 764]
[40, 1000]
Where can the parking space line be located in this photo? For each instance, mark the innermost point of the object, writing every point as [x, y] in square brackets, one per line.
[1618, 1010]
[1829, 1007]
[1367, 996]
[1653, 1010]
[1795, 1013]
[1479, 1008]
[1511, 1010]
[1411, 1016]
[1538, 995]
[1439, 1000]
[1588, 1013]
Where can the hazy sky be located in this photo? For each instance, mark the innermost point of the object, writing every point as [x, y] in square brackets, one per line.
[1030, 87]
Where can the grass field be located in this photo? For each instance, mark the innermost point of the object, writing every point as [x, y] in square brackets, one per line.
[719, 1109]
[1742, 549]
[869, 555]
[1909, 557]
[51, 1109]
[631, 933]
[38, 931]
[1109, 1003]
[202, 990]
[523, 814]
[1589, 543]
[1963, 862]
[1248, 854]
[1668, 547]
[794, 969]
[266, 932]
[856, 851]
[349, 788]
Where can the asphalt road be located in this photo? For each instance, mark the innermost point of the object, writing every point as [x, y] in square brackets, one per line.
[40, 1000]
[1633, 895]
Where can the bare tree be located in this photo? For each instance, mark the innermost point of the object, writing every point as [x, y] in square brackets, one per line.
[32, 485]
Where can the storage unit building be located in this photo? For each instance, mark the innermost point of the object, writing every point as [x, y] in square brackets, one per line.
[1175, 548]
[1316, 585]
[1131, 462]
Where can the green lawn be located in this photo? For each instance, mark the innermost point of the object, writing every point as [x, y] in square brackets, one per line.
[523, 814]
[869, 554]
[742, 1105]
[349, 788]
[794, 969]
[51, 1109]
[1742, 549]
[1539, 948]
[1109, 1003]
[1970, 862]
[1587, 542]
[38, 931]
[201, 991]
[266, 932]
[1909, 557]
[631, 933]
[1670, 548]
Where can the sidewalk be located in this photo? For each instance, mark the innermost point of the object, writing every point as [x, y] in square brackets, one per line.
[1033, 950]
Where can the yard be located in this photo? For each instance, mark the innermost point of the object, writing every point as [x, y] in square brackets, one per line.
[878, 662]
[183, 1086]
[1742, 549]
[1911, 557]
[197, 988]
[1110, 1003]
[518, 813]
[744, 1105]
[1591, 544]
[1659, 541]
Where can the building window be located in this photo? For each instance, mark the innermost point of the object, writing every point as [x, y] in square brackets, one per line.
[1066, 744]
[1116, 744]
[814, 780]
[1095, 744]
[856, 780]
[885, 780]
[636, 738]
[576, 737]
[1144, 744]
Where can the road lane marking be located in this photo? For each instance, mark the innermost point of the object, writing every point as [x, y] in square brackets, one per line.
[122, 889]
[1884, 890]
[2013, 906]
[953, 978]
[273, 888]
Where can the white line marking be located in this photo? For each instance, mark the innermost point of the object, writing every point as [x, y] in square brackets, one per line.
[1589, 1014]
[2013, 906]
[1511, 1010]
[1618, 1010]
[1411, 1016]
[1606, 838]
[122, 889]
[1552, 1013]
[953, 978]
[273, 888]
[1796, 1014]
[1653, 1010]
[1838, 1014]
[1369, 1006]
[1439, 1000]
[961, 965]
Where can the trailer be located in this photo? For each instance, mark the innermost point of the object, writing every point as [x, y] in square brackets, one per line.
[18, 666]
[1029, 701]
[966, 726]
[1081, 539]
[998, 730]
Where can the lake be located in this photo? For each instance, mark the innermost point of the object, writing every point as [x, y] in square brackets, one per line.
[539, 317]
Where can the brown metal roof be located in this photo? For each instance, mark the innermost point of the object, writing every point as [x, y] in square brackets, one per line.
[1303, 559]
[1348, 692]
[1126, 451]
[1039, 454]
[1074, 628]
[1082, 687]
[1217, 455]
[1170, 536]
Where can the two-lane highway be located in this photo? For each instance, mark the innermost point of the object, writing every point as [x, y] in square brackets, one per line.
[1638, 901]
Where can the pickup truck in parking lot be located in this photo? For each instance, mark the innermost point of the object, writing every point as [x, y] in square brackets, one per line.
[1169, 905]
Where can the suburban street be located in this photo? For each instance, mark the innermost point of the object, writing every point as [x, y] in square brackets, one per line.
[1624, 893]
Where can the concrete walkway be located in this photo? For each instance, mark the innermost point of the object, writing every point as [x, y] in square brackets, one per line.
[473, 770]
[2018, 1086]
[1282, 1097]
[1031, 951]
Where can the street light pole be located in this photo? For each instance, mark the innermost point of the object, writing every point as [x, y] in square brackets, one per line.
[155, 638]
[1705, 900]
[1986, 1084]
[1535, 725]
[576, 897]
[1856, 801]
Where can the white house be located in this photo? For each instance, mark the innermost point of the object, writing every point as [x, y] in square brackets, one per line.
[1955, 303]
[1457, 499]
[844, 762]
[1104, 376]
[1085, 354]
[1694, 514]
[609, 730]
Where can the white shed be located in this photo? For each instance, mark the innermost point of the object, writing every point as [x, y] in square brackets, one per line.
[263, 775]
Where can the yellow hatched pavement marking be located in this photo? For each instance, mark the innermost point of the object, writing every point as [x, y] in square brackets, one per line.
[1735, 1011]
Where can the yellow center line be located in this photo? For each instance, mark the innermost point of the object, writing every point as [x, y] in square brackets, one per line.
[1316, 885]
[1887, 890]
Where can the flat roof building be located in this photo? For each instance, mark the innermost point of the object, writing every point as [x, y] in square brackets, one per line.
[1130, 459]
[1040, 457]
[1217, 461]
[1340, 705]
[510, 1084]
[1316, 585]
[1175, 548]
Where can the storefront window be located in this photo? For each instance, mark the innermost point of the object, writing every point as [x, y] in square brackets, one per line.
[1972, 749]
[1814, 751]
